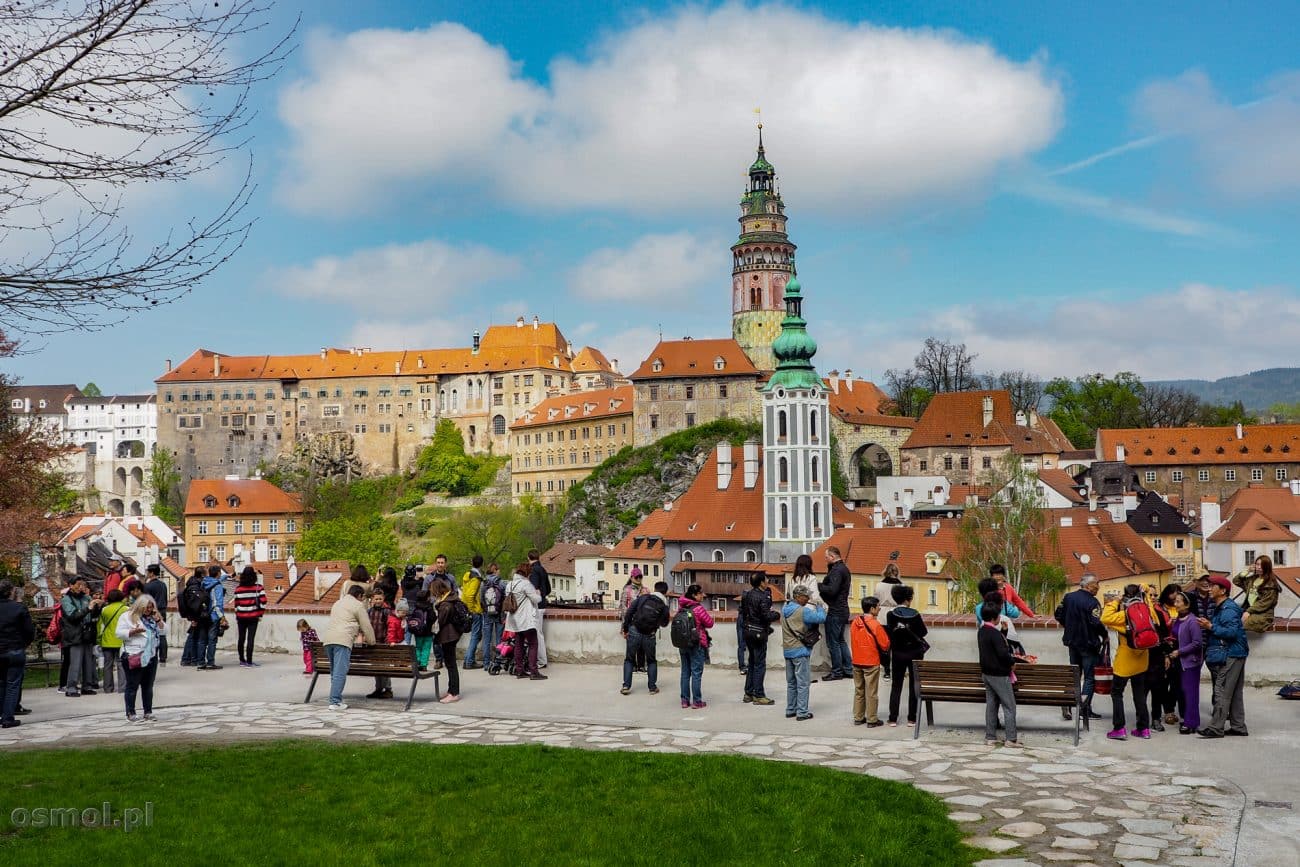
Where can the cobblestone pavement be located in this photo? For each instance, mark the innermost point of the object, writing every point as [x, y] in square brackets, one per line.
[1040, 805]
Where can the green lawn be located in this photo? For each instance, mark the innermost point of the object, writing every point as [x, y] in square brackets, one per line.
[294, 802]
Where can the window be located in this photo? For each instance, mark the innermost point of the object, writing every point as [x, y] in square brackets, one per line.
[817, 516]
[498, 400]
[1280, 474]
[331, 410]
[986, 462]
[782, 471]
[947, 462]
[722, 390]
[785, 517]
[1250, 557]
[782, 425]
[925, 465]
[654, 422]
[239, 527]
[816, 471]
[1230, 475]
[498, 425]
[934, 597]
[1175, 475]
[1181, 570]
[812, 425]
[1157, 543]
[358, 428]
[221, 553]
[690, 392]
[1202, 475]
[655, 569]
[221, 528]
[202, 556]
[690, 419]
[203, 531]
[273, 525]
[1256, 474]
[717, 555]
[290, 549]
[1279, 556]
[688, 556]
[274, 550]
[1149, 476]
[291, 525]
[1180, 544]
[965, 462]
[257, 525]
[654, 392]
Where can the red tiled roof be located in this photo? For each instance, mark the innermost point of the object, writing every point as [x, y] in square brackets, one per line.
[590, 359]
[645, 540]
[678, 358]
[868, 550]
[1290, 578]
[1277, 503]
[1193, 446]
[597, 403]
[957, 419]
[863, 404]
[303, 591]
[1061, 482]
[53, 395]
[254, 497]
[559, 559]
[960, 493]
[706, 513]
[1115, 550]
[1249, 525]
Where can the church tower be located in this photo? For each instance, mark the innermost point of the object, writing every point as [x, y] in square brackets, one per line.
[796, 443]
[762, 264]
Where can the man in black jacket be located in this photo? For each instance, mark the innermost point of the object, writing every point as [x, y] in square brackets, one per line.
[642, 620]
[996, 663]
[1081, 631]
[16, 632]
[541, 580]
[756, 611]
[157, 588]
[835, 593]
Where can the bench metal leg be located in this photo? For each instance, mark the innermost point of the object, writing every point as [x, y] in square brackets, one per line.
[411, 695]
[929, 713]
[1078, 712]
[311, 688]
[437, 684]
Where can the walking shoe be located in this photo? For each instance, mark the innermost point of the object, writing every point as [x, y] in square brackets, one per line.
[763, 700]
[1067, 713]
[1117, 735]
[685, 703]
[1015, 744]
[1157, 725]
[875, 725]
[859, 722]
[803, 717]
[538, 677]
[1236, 734]
[789, 714]
[200, 668]
[215, 667]
[130, 716]
[388, 693]
[150, 718]
[22, 711]
[469, 666]
[10, 723]
[251, 664]
[1186, 730]
[654, 690]
[379, 693]
[449, 699]
[748, 699]
[700, 705]
[991, 742]
[89, 692]
[72, 693]
[243, 664]
[1092, 714]
[625, 690]
[1145, 734]
[893, 723]
[339, 706]
[1210, 733]
[744, 671]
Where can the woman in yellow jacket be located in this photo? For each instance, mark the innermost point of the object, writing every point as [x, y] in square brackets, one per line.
[1130, 666]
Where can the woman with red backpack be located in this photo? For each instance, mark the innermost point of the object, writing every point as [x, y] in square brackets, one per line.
[1125, 617]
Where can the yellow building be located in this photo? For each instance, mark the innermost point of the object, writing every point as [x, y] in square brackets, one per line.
[555, 444]
[227, 517]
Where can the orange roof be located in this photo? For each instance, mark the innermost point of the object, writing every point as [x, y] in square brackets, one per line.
[1249, 525]
[645, 541]
[868, 550]
[503, 347]
[1290, 578]
[597, 403]
[706, 513]
[251, 497]
[1191, 446]
[957, 419]
[1063, 483]
[1277, 503]
[591, 359]
[959, 494]
[559, 559]
[856, 401]
[1115, 550]
[303, 591]
[677, 358]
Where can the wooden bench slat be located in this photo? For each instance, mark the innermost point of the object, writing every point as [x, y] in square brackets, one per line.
[378, 660]
[961, 682]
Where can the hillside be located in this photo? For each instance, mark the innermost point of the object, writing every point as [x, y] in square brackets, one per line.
[625, 488]
[1257, 390]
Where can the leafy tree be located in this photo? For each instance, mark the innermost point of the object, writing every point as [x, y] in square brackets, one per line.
[1095, 401]
[944, 366]
[501, 533]
[443, 465]
[1025, 389]
[907, 396]
[1217, 415]
[1283, 412]
[164, 482]
[91, 390]
[1013, 529]
[362, 540]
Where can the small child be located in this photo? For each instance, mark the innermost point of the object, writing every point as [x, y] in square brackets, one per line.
[420, 624]
[869, 643]
[309, 637]
[381, 620]
[397, 623]
[997, 666]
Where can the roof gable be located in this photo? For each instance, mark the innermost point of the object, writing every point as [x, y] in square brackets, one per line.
[690, 358]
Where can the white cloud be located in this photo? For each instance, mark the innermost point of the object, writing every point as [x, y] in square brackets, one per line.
[659, 116]
[419, 277]
[629, 346]
[653, 269]
[1194, 331]
[434, 333]
[1246, 151]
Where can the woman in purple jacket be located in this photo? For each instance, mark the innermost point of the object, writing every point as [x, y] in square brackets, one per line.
[1190, 654]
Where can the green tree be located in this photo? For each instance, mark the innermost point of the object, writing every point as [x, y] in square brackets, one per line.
[368, 541]
[91, 390]
[1082, 406]
[1223, 415]
[501, 533]
[443, 465]
[164, 483]
[1013, 529]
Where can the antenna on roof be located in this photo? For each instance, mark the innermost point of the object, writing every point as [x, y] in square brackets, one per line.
[661, 331]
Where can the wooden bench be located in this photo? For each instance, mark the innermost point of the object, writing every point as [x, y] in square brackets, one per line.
[38, 650]
[1036, 686]
[377, 660]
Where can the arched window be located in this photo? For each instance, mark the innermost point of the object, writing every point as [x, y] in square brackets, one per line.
[817, 516]
[498, 424]
[717, 555]
[782, 426]
[816, 474]
[455, 399]
[785, 517]
[783, 471]
[442, 400]
[751, 556]
[812, 424]
[688, 556]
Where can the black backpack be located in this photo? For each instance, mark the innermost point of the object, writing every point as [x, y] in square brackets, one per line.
[460, 619]
[195, 602]
[491, 596]
[417, 622]
[683, 633]
[648, 614]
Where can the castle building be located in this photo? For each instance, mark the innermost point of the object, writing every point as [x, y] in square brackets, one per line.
[688, 382]
[241, 518]
[762, 264]
[557, 443]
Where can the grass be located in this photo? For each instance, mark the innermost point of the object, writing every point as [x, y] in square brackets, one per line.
[292, 802]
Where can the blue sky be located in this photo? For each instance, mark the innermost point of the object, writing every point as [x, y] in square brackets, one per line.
[1113, 186]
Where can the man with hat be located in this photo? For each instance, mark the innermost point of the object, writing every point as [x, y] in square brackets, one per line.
[1225, 655]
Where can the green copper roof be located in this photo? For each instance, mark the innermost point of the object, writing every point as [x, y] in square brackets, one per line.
[793, 348]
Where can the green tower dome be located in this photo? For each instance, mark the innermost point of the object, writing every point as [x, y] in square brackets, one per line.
[794, 348]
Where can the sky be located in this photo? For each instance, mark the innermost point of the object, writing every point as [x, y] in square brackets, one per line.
[1102, 187]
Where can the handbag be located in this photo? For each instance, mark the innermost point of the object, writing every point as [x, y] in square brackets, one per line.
[1103, 675]
[133, 660]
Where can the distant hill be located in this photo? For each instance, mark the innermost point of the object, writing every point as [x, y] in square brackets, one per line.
[1257, 390]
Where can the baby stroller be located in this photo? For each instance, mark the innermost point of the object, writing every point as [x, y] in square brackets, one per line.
[503, 661]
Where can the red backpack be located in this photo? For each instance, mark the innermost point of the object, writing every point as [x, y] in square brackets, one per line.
[1141, 631]
[54, 632]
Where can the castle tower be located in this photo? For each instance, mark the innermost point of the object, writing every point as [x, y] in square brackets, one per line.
[762, 264]
[796, 443]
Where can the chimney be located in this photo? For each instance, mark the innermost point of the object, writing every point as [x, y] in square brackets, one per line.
[877, 517]
[1238, 430]
[536, 321]
[668, 505]
[519, 323]
[1021, 418]
[397, 368]
[934, 528]
[169, 364]
[1033, 418]
[1211, 519]
[419, 362]
[323, 350]
[940, 497]
[1092, 500]
[751, 464]
[988, 410]
[834, 380]
[724, 465]
[216, 372]
[477, 339]
[848, 378]
[1119, 452]
[1294, 485]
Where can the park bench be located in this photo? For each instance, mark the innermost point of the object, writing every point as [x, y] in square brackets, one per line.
[377, 660]
[1036, 686]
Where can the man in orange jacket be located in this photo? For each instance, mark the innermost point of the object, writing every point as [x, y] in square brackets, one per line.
[870, 644]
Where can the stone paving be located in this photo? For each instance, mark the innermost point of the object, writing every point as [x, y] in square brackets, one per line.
[1036, 806]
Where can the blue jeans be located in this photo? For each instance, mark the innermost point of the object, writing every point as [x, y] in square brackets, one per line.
[190, 653]
[492, 629]
[475, 635]
[12, 665]
[740, 641]
[757, 669]
[206, 644]
[340, 658]
[837, 647]
[644, 646]
[1086, 661]
[692, 673]
[797, 678]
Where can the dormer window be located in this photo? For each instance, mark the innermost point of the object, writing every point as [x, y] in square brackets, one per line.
[719, 363]
[232, 501]
[210, 501]
[657, 366]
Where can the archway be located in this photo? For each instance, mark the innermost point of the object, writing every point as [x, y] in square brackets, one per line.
[137, 480]
[120, 476]
[135, 508]
[116, 507]
[870, 462]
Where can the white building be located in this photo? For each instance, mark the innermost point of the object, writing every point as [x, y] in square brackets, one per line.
[1253, 521]
[120, 433]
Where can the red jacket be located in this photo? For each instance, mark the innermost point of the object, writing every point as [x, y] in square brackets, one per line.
[1009, 594]
[396, 629]
[868, 639]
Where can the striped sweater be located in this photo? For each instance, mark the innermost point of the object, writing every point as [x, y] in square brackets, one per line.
[250, 601]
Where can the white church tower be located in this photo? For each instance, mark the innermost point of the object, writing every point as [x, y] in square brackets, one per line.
[796, 443]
